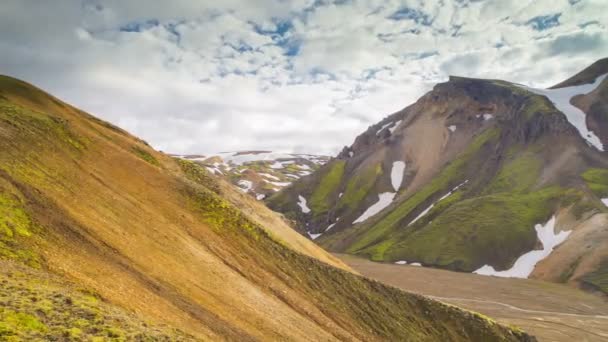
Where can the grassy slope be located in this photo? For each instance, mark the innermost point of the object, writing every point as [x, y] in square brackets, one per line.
[88, 202]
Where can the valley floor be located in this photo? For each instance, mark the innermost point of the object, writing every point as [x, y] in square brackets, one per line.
[551, 312]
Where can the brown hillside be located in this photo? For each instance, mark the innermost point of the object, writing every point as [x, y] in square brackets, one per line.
[162, 241]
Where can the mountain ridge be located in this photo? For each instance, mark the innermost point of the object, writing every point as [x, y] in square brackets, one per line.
[521, 159]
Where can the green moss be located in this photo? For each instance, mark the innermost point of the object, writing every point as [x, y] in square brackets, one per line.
[33, 127]
[219, 213]
[451, 176]
[36, 306]
[597, 181]
[15, 227]
[13, 323]
[359, 186]
[518, 174]
[198, 174]
[328, 185]
[489, 229]
[145, 155]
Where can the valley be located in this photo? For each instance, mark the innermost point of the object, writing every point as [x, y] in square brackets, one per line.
[551, 312]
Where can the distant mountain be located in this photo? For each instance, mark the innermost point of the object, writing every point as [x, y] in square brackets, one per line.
[477, 175]
[259, 173]
[103, 238]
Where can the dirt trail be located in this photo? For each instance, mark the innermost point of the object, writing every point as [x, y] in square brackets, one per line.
[551, 312]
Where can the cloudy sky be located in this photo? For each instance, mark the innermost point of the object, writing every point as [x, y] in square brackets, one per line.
[200, 76]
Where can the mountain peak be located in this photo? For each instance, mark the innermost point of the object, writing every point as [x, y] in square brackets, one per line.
[587, 75]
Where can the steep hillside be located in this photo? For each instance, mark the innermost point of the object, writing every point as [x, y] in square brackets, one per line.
[468, 178]
[259, 173]
[104, 238]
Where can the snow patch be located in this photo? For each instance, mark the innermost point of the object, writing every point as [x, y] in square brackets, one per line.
[452, 128]
[392, 129]
[303, 206]
[384, 200]
[314, 236]
[260, 197]
[280, 184]
[383, 127]
[268, 175]
[487, 116]
[351, 153]
[605, 201]
[276, 165]
[524, 265]
[561, 98]
[330, 226]
[245, 185]
[401, 262]
[214, 170]
[425, 211]
[340, 195]
[397, 174]
[416, 264]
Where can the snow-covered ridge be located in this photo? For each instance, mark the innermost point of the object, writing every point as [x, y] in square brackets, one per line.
[259, 172]
[524, 265]
[561, 98]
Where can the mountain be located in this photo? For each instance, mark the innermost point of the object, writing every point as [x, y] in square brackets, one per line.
[259, 173]
[477, 175]
[103, 238]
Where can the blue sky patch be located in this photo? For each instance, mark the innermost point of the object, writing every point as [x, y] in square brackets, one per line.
[544, 22]
[417, 16]
[139, 26]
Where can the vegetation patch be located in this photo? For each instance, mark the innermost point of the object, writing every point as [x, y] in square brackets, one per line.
[32, 126]
[15, 227]
[491, 229]
[38, 307]
[328, 185]
[516, 175]
[145, 155]
[198, 174]
[451, 176]
[359, 186]
[597, 181]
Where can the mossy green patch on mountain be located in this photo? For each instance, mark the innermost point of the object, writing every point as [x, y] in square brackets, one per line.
[451, 176]
[597, 181]
[145, 155]
[32, 126]
[329, 183]
[38, 307]
[489, 229]
[359, 186]
[197, 174]
[15, 227]
[517, 174]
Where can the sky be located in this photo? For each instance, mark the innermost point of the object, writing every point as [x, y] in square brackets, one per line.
[305, 76]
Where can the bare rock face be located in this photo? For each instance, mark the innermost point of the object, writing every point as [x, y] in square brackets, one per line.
[486, 160]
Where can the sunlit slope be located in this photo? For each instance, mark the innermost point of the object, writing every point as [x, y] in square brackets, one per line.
[160, 240]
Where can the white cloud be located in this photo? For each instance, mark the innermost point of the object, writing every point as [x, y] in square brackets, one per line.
[306, 76]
